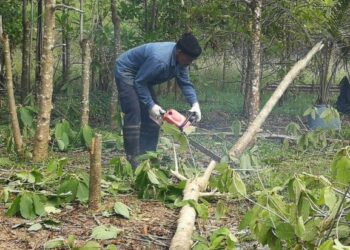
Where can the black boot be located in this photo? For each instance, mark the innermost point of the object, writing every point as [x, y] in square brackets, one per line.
[131, 135]
[149, 137]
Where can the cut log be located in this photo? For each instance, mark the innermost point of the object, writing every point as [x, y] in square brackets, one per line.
[95, 173]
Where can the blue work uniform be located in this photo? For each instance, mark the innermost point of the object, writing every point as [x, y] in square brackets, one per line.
[136, 71]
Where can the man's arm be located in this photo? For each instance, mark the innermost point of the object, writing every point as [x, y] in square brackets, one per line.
[186, 85]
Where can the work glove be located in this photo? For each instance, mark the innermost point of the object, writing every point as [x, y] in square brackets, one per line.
[156, 112]
[197, 111]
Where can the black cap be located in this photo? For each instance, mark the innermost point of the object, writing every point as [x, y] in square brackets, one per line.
[189, 45]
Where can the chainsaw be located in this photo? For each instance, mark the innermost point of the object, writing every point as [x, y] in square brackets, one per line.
[182, 122]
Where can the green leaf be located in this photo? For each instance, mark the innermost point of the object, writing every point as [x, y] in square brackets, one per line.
[300, 228]
[330, 197]
[35, 227]
[38, 205]
[343, 231]
[245, 162]
[26, 116]
[238, 184]
[111, 247]
[61, 144]
[104, 233]
[152, 177]
[341, 169]
[14, 208]
[27, 207]
[83, 192]
[236, 127]
[285, 231]
[220, 210]
[55, 243]
[88, 134]
[90, 245]
[122, 209]
[327, 245]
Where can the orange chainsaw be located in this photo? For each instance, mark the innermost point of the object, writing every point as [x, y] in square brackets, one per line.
[182, 122]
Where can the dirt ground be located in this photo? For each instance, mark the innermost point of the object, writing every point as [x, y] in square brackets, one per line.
[151, 225]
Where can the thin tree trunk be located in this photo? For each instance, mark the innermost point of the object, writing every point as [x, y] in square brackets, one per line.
[25, 78]
[254, 98]
[86, 52]
[95, 173]
[11, 97]
[145, 6]
[42, 135]
[39, 48]
[117, 51]
[183, 236]
[224, 59]
[66, 46]
[81, 20]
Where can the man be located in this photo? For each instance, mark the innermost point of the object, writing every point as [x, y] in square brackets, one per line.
[343, 101]
[136, 71]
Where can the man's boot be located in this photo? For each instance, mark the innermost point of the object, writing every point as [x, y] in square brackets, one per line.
[131, 135]
[149, 137]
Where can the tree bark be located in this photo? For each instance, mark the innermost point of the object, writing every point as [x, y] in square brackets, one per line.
[255, 69]
[11, 97]
[117, 51]
[95, 173]
[66, 46]
[25, 78]
[39, 48]
[86, 57]
[186, 223]
[42, 134]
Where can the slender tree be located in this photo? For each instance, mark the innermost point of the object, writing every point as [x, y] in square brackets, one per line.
[117, 51]
[42, 134]
[25, 79]
[85, 47]
[39, 46]
[10, 94]
[252, 94]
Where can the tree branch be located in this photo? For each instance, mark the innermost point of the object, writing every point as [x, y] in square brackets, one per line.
[63, 6]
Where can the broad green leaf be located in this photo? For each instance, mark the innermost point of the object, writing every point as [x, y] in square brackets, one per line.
[285, 231]
[343, 231]
[152, 177]
[238, 184]
[200, 246]
[311, 230]
[329, 197]
[71, 241]
[248, 218]
[236, 127]
[27, 207]
[111, 247]
[14, 208]
[55, 243]
[90, 245]
[327, 245]
[88, 134]
[220, 210]
[26, 116]
[245, 162]
[35, 227]
[38, 205]
[122, 209]
[300, 228]
[82, 192]
[341, 169]
[61, 144]
[104, 233]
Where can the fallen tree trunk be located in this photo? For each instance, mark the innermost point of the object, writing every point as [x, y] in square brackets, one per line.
[182, 239]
